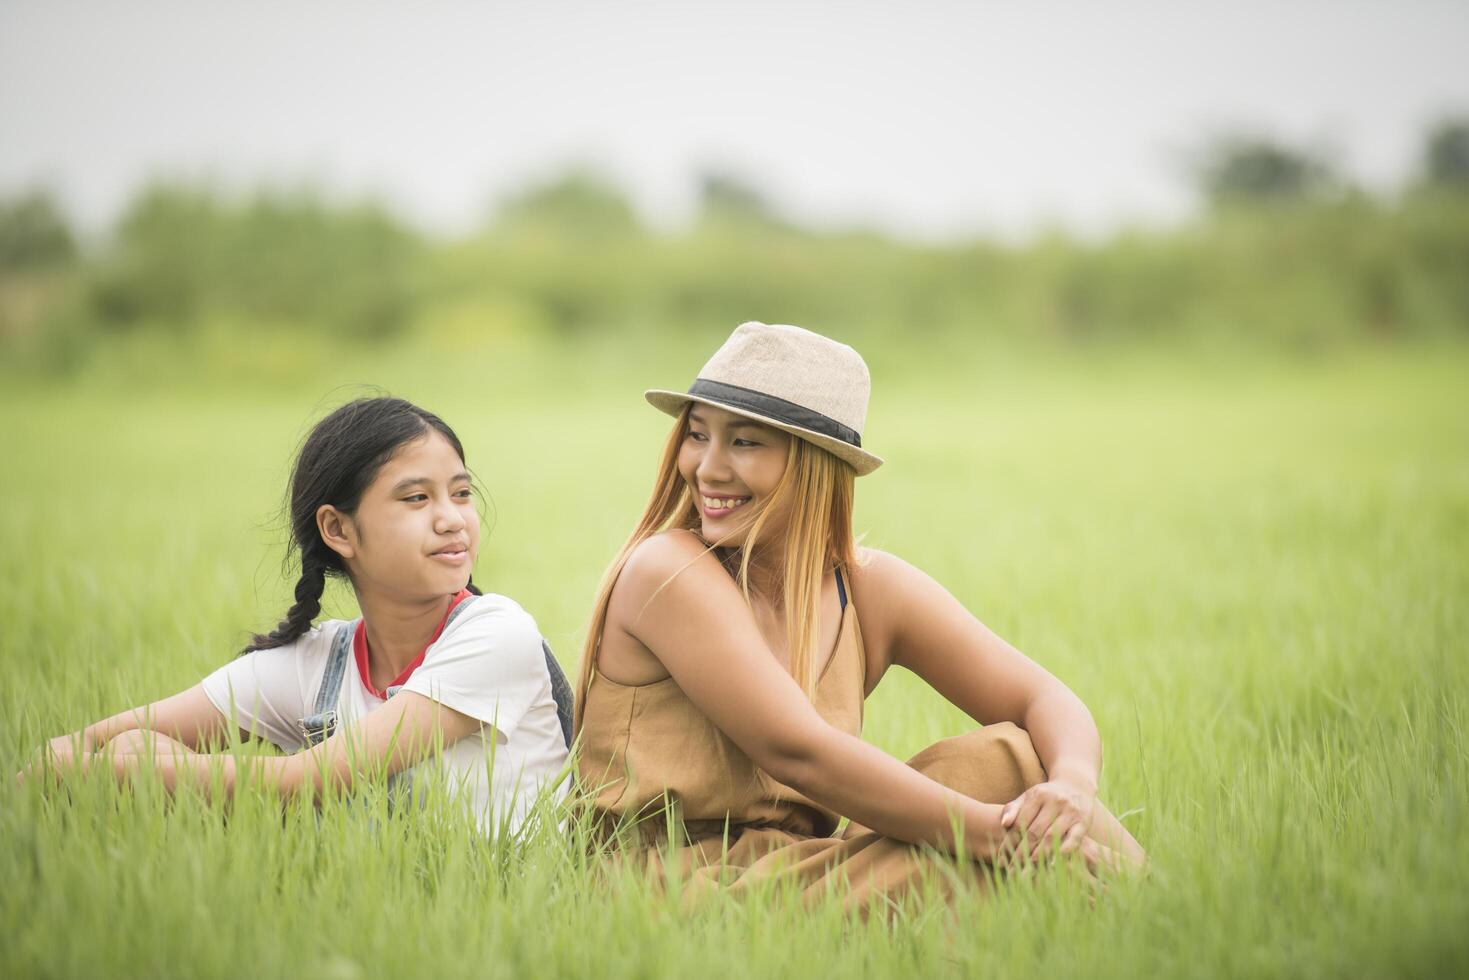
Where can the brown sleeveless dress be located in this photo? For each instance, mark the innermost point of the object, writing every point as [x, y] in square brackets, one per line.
[659, 773]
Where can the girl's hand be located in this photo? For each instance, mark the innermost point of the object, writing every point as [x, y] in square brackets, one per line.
[141, 741]
[129, 749]
[61, 754]
[1051, 811]
[71, 753]
[167, 760]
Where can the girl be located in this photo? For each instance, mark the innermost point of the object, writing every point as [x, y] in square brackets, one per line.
[740, 628]
[434, 675]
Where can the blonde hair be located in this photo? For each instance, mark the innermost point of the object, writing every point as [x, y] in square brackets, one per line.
[818, 538]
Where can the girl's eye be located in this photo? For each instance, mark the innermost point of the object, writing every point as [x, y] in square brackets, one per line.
[466, 493]
[745, 442]
[415, 498]
[698, 436]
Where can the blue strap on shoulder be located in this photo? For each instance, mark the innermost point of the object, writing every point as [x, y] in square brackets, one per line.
[318, 726]
[560, 691]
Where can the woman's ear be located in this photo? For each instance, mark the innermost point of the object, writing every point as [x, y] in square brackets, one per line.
[337, 530]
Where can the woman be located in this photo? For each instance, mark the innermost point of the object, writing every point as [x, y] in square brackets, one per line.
[739, 630]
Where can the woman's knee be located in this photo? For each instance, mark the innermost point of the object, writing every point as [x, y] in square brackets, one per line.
[1015, 742]
[993, 764]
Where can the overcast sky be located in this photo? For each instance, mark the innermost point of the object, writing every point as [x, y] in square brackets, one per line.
[929, 118]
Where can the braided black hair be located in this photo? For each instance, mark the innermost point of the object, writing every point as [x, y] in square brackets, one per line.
[338, 461]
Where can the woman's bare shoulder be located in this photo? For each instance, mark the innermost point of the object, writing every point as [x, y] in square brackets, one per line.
[659, 558]
[879, 573]
[890, 595]
[874, 579]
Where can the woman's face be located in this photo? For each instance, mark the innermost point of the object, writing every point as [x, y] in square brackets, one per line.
[732, 465]
[415, 533]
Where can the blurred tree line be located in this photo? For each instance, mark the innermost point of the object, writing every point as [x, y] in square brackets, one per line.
[1286, 252]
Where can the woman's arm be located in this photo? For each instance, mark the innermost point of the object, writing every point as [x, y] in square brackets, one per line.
[930, 632]
[684, 608]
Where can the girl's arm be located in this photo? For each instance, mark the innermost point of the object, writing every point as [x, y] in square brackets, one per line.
[258, 691]
[488, 668]
[188, 717]
[393, 737]
[930, 632]
[685, 609]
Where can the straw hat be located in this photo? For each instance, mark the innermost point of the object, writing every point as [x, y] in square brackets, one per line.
[792, 379]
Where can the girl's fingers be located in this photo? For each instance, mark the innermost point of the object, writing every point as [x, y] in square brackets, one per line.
[1073, 838]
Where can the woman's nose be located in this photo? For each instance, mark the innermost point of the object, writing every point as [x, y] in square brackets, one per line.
[714, 466]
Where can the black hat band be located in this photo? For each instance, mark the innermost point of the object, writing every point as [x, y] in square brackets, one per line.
[775, 409]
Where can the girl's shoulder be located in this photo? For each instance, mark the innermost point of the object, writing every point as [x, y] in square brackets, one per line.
[490, 611]
[489, 625]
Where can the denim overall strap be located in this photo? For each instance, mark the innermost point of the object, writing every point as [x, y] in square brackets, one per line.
[319, 725]
[561, 692]
[463, 605]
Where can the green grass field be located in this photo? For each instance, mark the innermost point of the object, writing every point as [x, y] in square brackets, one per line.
[1256, 575]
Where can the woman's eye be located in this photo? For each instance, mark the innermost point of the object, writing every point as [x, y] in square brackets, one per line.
[415, 498]
[698, 436]
[466, 493]
[745, 442]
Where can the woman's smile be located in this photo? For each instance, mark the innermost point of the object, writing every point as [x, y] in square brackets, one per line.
[715, 507]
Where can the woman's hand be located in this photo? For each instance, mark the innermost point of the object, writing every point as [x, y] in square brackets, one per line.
[1056, 810]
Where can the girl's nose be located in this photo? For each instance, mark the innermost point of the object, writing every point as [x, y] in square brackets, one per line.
[448, 519]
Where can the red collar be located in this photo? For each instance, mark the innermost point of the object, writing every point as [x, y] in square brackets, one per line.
[359, 649]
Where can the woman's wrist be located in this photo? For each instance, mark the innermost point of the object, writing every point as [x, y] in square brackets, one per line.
[1079, 775]
[984, 833]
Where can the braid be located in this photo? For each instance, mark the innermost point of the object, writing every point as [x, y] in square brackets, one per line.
[299, 617]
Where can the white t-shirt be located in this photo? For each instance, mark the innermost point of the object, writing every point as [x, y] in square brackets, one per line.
[487, 664]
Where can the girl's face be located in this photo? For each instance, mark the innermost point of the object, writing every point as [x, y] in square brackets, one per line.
[415, 533]
[732, 465]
